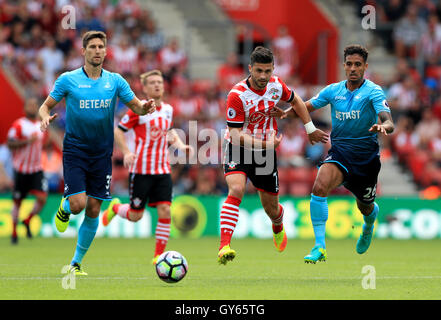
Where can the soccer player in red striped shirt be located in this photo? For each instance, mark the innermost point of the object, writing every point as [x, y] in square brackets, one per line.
[150, 180]
[252, 140]
[25, 140]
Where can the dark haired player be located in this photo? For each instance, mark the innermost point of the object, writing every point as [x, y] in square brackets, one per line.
[90, 93]
[251, 142]
[354, 158]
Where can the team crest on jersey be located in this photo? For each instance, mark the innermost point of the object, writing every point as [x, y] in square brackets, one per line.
[156, 133]
[257, 117]
[273, 92]
[231, 113]
[125, 119]
[107, 85]
[232, 165]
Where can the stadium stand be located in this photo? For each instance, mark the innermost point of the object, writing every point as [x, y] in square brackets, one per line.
[35, 49]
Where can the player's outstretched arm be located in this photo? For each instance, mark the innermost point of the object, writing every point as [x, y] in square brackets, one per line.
[174, 140]
[142, 107]
[386, 126]
[45, 113]
[314, 134]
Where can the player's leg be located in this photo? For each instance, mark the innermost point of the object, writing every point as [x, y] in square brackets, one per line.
[162, 231]
[161, 197]
[18, 194]
[274, 210]
[74, 197]
[369, 212]
[229, 215]
[364, 188]
[86, 233]
[139, 188]
[39, 190]
[328, 178]
[40, 201]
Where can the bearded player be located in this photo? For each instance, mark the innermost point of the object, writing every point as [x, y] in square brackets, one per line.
[251, 143]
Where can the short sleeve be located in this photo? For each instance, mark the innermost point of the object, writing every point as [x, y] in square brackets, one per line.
[287, 93]
[60, 88]
[125, 93]
[14, 133]
[322, 98]
[128, 121]
[235, 113]
[378, 99]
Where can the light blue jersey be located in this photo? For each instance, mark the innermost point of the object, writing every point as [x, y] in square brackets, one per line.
[90, 107]
[353, 114]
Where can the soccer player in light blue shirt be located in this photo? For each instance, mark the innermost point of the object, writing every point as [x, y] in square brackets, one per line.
[91, 94]
[354, 158]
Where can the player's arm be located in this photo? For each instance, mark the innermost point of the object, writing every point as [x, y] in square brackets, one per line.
[121, 143]
[17, 144]
[45, 113]
[386, 126]
[174, 140]
[141, 107]
[243, 139]
[314, 134]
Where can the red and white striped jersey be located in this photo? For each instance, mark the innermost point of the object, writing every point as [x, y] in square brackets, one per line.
[27, 159]
[250, 109]
[151, 147]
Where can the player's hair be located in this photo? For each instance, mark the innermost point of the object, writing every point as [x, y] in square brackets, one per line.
[145, 75]
[89, 35]
[261, 55]
[356, 49]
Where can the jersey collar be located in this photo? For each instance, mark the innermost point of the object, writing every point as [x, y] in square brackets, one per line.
[362, 84]
[259, 92]
[82, 68]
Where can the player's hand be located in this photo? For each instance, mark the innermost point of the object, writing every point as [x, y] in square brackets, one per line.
[277, 112]
[44, 123]
[273, 141]
[129, 159]
[318, 136]
[148, 106]
[189, 150]
[378, 128]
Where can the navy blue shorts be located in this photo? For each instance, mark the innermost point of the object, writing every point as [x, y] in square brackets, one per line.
[361, 180]
[87, 174]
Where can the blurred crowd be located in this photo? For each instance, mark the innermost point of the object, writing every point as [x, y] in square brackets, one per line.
[35, 47]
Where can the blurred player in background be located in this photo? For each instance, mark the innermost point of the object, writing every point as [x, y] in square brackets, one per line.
[90, 93]
[252, 140]
[150, 180]
[25, 140]
[354, 158]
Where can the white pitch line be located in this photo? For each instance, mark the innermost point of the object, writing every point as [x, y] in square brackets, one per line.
[146, 278]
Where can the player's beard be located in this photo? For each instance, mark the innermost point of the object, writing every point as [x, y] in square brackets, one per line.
[260, 84]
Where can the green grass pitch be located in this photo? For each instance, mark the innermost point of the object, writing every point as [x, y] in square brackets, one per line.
[121, 269]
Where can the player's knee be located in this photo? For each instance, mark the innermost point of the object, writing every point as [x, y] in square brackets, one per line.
[76, 205]
[319, 189]
[163, 211]
[365, 209]
[237, 190]
[136, 215]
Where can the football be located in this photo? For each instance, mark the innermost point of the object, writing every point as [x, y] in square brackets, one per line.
[171, 266]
